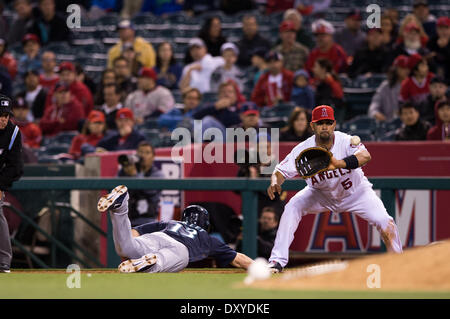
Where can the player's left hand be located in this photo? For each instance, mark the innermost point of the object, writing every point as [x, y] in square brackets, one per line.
[335, 163]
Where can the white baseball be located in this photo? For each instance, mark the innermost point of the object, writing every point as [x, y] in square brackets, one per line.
[259, 269]
[355, 140]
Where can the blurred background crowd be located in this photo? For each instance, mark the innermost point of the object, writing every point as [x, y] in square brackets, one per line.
[133, 71]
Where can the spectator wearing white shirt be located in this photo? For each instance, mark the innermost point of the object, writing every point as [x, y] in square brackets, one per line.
[198, 73]
[150, 99]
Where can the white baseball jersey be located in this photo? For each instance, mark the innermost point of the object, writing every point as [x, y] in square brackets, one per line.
[336, 184]
[341, 190]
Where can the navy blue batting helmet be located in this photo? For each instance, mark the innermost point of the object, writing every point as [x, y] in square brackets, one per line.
[196, 215]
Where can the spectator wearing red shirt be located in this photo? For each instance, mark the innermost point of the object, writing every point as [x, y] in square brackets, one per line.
[416, 87]
[328, 88]
[278, 5]
[326, 47]
[7, 59]
[275, 85]
[31, 133]
[441, 131]
[93, 131]
[127, 137]
[63, 114]
[48, 77]
[78, 90]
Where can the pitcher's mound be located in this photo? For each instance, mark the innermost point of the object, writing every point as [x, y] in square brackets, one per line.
[422, 268]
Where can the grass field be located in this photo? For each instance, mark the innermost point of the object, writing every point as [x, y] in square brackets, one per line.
[190, 284]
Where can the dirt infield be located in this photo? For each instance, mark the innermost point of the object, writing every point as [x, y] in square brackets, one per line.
[425, 268]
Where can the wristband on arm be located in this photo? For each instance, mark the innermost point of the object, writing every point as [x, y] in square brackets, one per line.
[351, 162]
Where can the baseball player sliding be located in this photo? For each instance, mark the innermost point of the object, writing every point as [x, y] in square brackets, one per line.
[165, 246]
[342, 188]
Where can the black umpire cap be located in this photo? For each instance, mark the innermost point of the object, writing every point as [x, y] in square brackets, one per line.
[5, 104]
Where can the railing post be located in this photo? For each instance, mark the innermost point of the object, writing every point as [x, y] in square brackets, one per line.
[250, 223]
[388, 198]
[113, 260]
[53, 225]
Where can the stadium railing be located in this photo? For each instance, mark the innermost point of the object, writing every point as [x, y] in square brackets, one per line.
[248, 187]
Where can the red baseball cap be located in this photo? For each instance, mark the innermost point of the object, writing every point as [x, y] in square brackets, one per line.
[66, 66]
[443, 22]
[401, 61]
[322, 112]
[413, 60]
[124, 113]
[96, 116]
[148, 73]
[412, 26]
[287, 26]
[30, 37]
[249, 108]
[60, 87]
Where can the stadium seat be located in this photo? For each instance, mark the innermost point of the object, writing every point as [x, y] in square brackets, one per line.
[46, 159]
[178, 18]
[83, 38]
[108, 22]
[393, 124]
[150, 123]
[96, 50]
[61, 138]
[365, 135]
[157, 138]
[209, 97]
[361, 122]
[357, 103]
[388, 136]
[54, 149]
[149, 22]
[346, 82]
[109, 37]
[277, 116]
[368, 83]
[177, 96]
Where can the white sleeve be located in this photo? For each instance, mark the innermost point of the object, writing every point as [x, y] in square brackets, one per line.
[352, 149]
[287, 166]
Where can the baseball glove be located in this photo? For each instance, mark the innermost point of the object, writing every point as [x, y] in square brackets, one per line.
[312, 161]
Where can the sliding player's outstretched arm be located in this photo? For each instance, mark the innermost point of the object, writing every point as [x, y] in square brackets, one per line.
[241, 261]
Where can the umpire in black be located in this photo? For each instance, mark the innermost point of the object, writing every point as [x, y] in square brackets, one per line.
[11, 169]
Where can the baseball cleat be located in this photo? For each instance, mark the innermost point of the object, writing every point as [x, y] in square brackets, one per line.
[275, 267]
[4, 268]
[138, 265]
[113, 200]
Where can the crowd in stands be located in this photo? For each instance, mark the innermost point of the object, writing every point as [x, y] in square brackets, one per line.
[226, 71]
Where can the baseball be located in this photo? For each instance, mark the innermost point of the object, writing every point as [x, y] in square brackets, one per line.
[259, 269]
[355, 140]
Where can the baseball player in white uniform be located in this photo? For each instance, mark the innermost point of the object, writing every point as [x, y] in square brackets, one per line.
[342, 188]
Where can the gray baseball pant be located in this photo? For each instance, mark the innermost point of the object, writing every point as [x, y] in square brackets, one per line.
[171, 255]
[5, 241]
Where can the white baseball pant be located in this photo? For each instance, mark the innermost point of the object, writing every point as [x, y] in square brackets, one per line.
[364, 202]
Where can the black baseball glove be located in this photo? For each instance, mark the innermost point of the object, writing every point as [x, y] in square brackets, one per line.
[312, 161]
